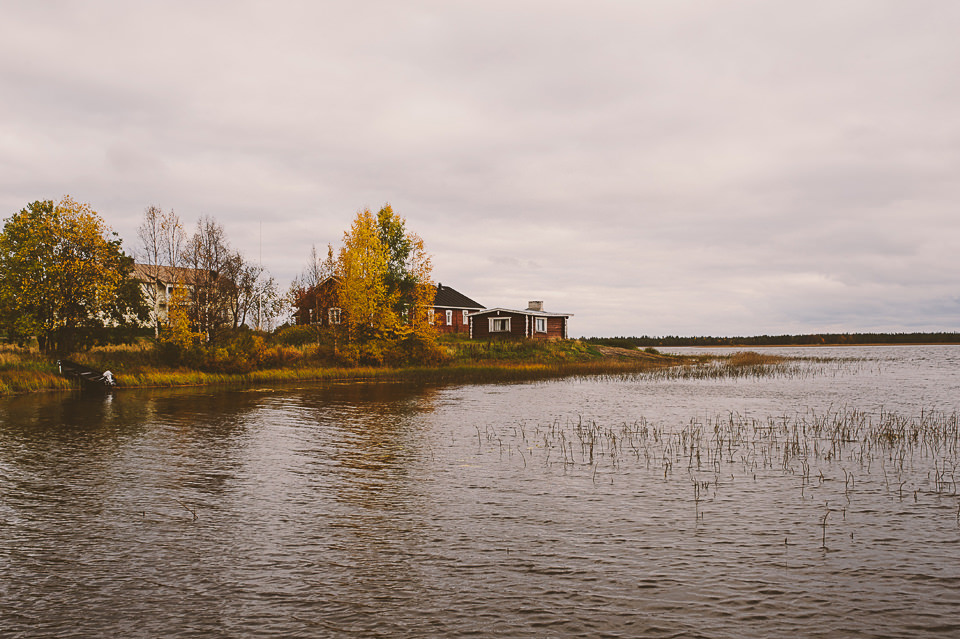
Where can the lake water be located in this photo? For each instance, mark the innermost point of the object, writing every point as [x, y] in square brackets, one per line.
[819, 503]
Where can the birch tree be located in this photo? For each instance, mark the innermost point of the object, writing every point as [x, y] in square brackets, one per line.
[252, 292]
[160, 256]
[362, 267]
[208, 256]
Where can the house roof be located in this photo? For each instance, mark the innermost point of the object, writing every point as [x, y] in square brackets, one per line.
[165, 274]
[447, 297]
[524, 312]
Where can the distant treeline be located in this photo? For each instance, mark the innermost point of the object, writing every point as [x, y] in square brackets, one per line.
[780, 340]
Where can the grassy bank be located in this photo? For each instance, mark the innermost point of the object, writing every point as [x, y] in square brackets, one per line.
[137, 366]
[24, 370]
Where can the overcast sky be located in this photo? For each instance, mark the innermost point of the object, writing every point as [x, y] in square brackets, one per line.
[654, 167]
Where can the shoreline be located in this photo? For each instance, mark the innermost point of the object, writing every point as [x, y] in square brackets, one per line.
[603, 361]
[470, 363]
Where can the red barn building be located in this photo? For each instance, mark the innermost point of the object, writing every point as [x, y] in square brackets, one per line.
[533, 323]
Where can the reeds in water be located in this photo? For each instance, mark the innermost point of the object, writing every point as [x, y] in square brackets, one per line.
[835, 456]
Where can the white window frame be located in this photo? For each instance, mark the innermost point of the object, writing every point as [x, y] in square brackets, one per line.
[333, 315]
[537, 321]
[449, 315]
[466, 320]
[495, 320]
[430, 316]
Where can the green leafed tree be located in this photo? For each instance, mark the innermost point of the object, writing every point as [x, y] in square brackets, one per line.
[408, 277]
[64, 277]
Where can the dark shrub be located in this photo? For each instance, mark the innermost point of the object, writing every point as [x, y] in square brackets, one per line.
[295, 335]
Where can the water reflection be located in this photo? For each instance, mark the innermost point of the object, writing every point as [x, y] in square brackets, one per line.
[362, 446]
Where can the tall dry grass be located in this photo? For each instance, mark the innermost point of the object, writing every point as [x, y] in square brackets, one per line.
[138, 365]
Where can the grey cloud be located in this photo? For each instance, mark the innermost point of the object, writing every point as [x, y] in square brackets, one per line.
[656, 167]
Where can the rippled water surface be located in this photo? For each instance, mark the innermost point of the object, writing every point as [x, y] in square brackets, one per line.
[819, 503]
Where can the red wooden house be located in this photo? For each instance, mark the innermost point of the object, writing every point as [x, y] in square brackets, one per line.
[320, 305]
[533, 323]
[451, 310]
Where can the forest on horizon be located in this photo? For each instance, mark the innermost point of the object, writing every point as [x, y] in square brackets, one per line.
[815, 339]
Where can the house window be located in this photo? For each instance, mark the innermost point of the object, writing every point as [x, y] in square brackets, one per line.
[449, 318]
[465, 320]
[430, 316]
[333, 315]
[540, 324]
[499, 324]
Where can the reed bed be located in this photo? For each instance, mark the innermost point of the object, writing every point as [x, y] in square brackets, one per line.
[745, 365]
[789, 443]
[824, 458]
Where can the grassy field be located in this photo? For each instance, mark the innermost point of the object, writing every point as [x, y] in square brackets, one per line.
[137, 366]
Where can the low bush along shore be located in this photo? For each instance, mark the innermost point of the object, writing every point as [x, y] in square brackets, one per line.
[139, 365]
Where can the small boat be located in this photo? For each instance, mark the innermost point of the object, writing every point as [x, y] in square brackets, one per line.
[88, 376]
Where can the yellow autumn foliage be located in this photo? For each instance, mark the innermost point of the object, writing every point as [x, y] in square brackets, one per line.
[62, 273]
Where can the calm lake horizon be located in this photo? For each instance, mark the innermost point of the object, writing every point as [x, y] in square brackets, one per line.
[820, 500]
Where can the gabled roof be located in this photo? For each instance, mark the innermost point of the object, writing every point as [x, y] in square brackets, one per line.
[447, 297]
[524, 312]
